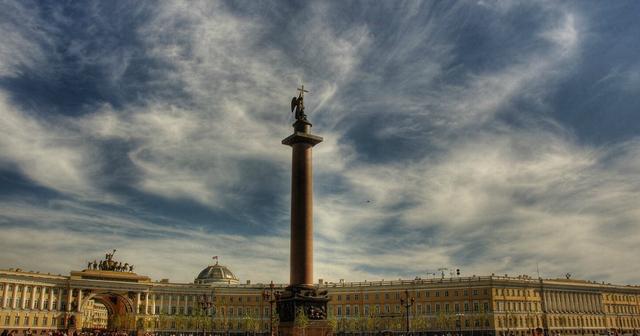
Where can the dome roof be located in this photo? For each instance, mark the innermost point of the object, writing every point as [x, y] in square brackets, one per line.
[216, 274]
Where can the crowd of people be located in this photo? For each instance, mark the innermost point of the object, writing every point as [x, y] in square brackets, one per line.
[29, 332]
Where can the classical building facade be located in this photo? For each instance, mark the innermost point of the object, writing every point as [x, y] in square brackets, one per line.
[216, 301]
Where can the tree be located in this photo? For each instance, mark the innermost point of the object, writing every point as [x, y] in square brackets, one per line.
[301, 320]
[332, 321]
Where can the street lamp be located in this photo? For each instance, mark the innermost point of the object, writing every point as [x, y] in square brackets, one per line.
[459, 315]
[407, 302]
[206, 302]
[270, 295]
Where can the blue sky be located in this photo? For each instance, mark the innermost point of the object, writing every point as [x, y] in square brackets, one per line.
[490, 136]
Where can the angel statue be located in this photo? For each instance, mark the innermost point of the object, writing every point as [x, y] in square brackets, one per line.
[297, 105]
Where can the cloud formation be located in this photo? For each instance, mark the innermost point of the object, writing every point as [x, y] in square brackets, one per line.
[155, 128]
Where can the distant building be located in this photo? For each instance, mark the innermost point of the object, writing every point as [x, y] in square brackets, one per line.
[477, 305]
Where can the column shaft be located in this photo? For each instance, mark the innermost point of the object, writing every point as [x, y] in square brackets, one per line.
[301, 215]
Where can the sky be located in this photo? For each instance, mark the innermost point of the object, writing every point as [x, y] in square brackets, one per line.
[487, 136]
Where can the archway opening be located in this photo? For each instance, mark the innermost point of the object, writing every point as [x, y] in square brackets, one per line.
[108, 311]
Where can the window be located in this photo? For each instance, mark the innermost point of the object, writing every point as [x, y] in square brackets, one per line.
[44, 321]
[54, 321]
[397, 296]
[437, 293]
[355, 310]
[466, 292]
[446, 307]
[387, 308]
[485, 291]
[339, 310]
[356, 297]
[446, 293]
[418, 294]
[428, 308]
[366, 310]
[485, 306]
[397, 308]
[35, 320]
[7, 320]
[455, 293]
[366, 296]
[437, 307]
[476, 306]
[347, 310]
[377, 309]
[466, 306]
[386, 296]
[377, 296]
[348, 297]
[339, 297]
[17, 320]
[475, 292]
[426, 294]
[456, 307]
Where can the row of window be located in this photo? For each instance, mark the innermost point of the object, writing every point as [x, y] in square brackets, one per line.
[624, 309]
[419, 310]
[10, 302]
[221, 311]
[29, 321]
[28, 289]
[418, 294]
[515, 292]
[518, 306]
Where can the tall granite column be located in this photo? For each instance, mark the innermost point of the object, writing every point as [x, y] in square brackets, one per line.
[301, 257]
[301, 298]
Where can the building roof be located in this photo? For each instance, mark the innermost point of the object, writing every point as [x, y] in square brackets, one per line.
[216, 274]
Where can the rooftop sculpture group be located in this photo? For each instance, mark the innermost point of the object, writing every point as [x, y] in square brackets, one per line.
[108, 264]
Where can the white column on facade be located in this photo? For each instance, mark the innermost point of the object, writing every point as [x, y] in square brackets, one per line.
[69, 298]
[25, 295]
[50, 289]
[186, 304]
[169, 304]
[161, 302]
[14, 300]
[153, 304]
[59, 302]
[146, 303]
[79, 299]
[5, 298]
[33, 297]
[177, 302]
[138, 303]
[42, 297]
[554, 301]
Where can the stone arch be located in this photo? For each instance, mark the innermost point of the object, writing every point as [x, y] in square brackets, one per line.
[119, 305]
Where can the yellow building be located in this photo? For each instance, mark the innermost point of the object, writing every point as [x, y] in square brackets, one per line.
[477, 305]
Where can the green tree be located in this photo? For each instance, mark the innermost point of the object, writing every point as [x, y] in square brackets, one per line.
[301, 320]
[332, 321]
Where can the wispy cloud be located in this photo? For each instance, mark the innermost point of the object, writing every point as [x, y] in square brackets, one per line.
[158, 129]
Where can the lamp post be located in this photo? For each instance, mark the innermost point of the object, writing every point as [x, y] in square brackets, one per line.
[206, 302]
[270, 295]
[407, 302]
[459, 315]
